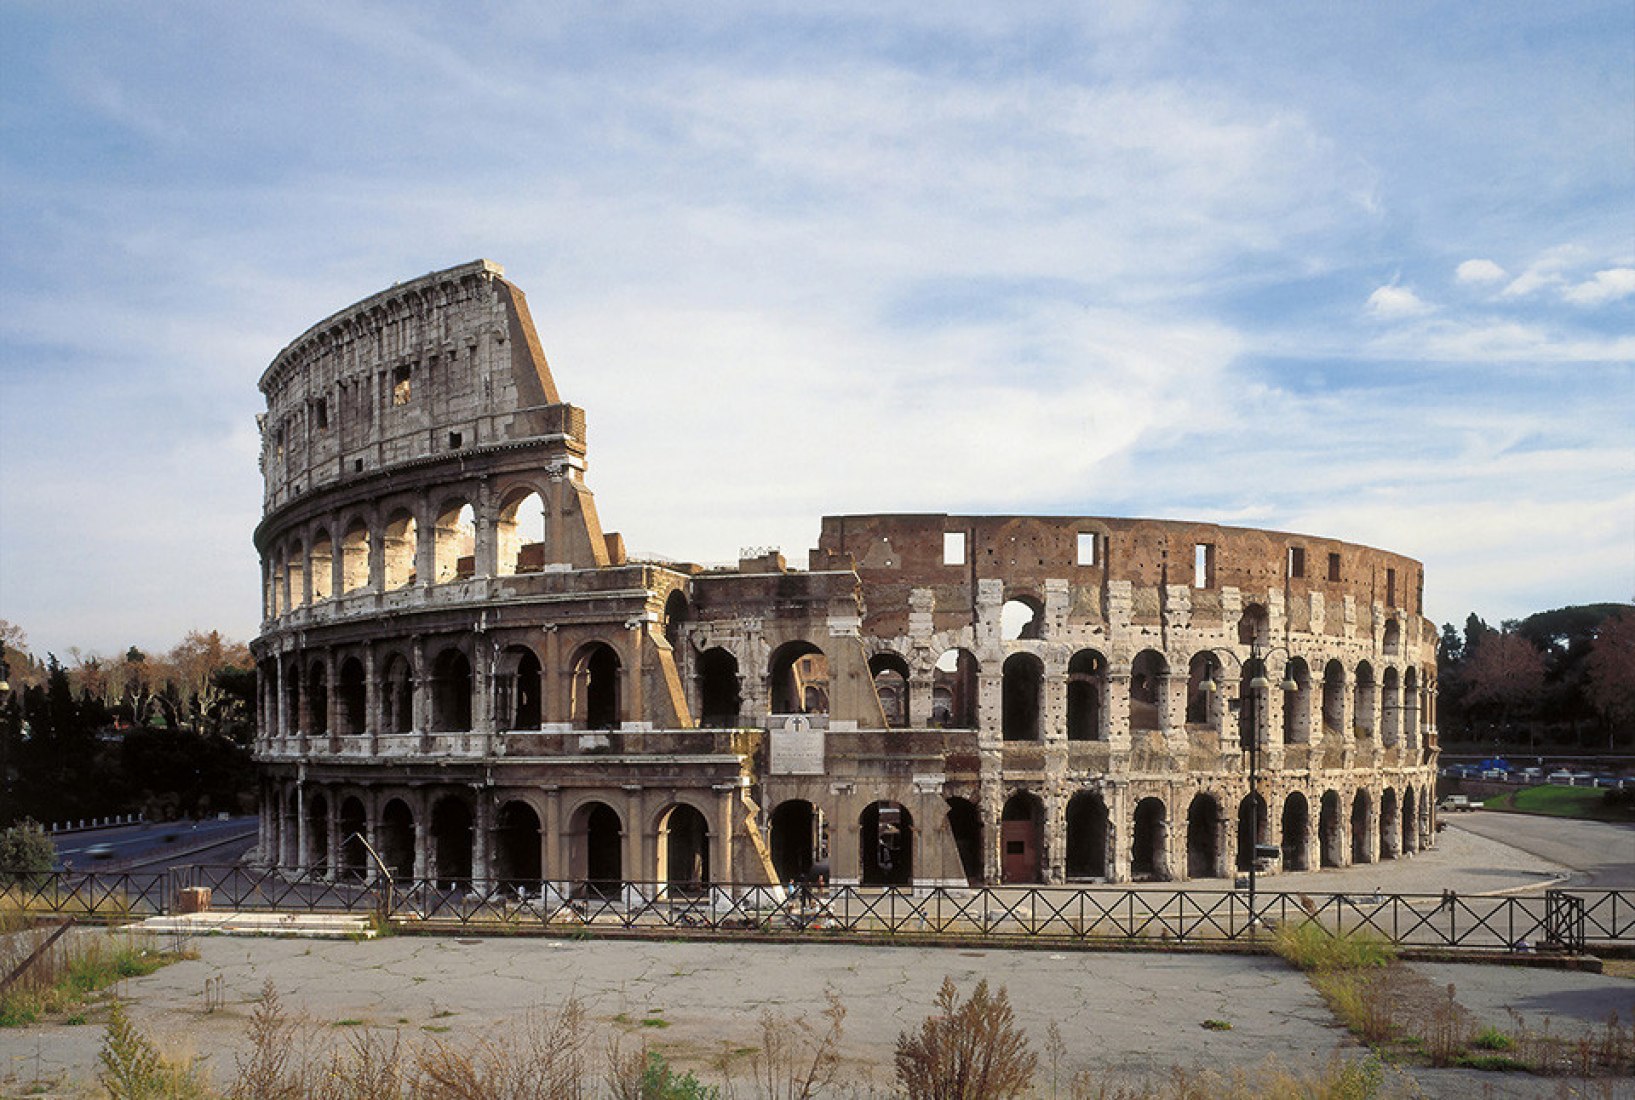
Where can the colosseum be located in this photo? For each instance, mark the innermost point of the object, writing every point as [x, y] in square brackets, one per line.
[462, 670]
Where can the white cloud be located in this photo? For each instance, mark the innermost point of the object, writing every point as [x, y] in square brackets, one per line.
[1392, 302]
[1479, 271]
[1607, 286]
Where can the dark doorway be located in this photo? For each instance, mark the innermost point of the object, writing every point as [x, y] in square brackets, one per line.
[1148, 857]
[684, 849]
[1204, 838]
[451, 839]
[1086, 837]
[797, 839]
[1296, 833]
[397, 840]
[1019, 828]
[887, 835]
[516, 847]
[965, 823]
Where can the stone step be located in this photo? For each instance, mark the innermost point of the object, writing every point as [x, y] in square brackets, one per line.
[311, 925]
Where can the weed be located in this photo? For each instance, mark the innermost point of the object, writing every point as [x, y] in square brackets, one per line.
[133, 1069]
[1311, 947]
[349, 1023]
[1217, 1025]
[969, 1051]
[1491, 1038]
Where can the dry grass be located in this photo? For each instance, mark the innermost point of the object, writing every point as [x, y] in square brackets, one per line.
[966, 1051]
[71, 971]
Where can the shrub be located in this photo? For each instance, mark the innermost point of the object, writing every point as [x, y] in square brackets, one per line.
[1310, 946]
[133, 1069]
[25, 853]
[970, 1051]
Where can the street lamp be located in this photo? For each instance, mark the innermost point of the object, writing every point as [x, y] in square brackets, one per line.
[1258, 683]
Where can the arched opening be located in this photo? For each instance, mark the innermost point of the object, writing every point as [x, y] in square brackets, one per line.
[675, 622]
[1149, 847]
[1020, 825]
[519, 690]
[351, 699]
[295, 574]
[1296, 833]
[455, 543]
[323, 567]
[1392, 641]
[317, 833]
[517, 847]
[954, 690]
[1331, 839]
[317, 717]
[800, 679]
[1252, 705]
[1410, 708]
[797, 839]
[1362, 704]
[1022, 618]
[1086, 686]
[451, 843]
[451, 692]
[1086, 837]
[1022, 691]
[1254, 626]
[398, 551]
[965, 825]
[1362, 828]
[597, 849]
[1201, 672]
[890, 673]
[1410, 821]
[1390, 824]
[887, 837]
[354, 855]
[1204, 836]
[1334, 697]
[355, 558]
[1390, 706]
[1147, 673]
[720, 697]
[1297, 704]
[396, 836]
[397, 695]
[1251, 829]
[519, 534]
[684, 849]
[597, 698]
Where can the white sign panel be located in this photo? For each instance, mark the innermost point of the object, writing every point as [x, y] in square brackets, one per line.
[797, 748]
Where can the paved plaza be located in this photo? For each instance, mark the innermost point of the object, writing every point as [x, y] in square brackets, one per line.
[1124, 1016]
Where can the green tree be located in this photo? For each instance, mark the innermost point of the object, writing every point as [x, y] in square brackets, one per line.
[24, 849]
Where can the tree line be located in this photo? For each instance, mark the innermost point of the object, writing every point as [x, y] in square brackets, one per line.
[168, 735]
[1561, 679]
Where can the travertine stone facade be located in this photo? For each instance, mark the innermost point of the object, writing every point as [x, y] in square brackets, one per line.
[464, 674]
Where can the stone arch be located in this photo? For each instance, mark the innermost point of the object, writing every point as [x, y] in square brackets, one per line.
[519, 532]
[797, 670]
[1334, 698]
[596, 848]
[965, 825]
[295, 559]
[1330, 835]
[1252, 828]
[796, 839]
[1297, 703]
[322, 573]
[683, 835]
[1363, 698]
[317, 812]
[451, 686]
[890, 674]
[1411, 703]
[1410, 819]
[720, 694]
[517, 843]
[519, 689]
[1086, 688]
[354, 855]
[1255, 625]
[451, 832]
[397, 694]
[1390, 824]
[886, 834]
[398, 551]
[355, 547]
[317, 717]
[1206, 837]
[1022, 693]
[351, 698]
[597, 691]
[1362, 827]
[1088, 837]
[1148, 673]
[454, 542]
[954, 690]
[396, 839]
[1390, 705]
[1391, 643]
[1149, 849]
[1296, 830]
[1021, 832]
[1022, 618]
[1201, 673]
[676, 614]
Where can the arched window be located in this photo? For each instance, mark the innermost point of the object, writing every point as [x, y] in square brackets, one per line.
[519, 690]
[596, 849]
[1086, 687]
[720, 697]
[317, 716]
[396, 837]
[1147, 675]
[1022, 696]
[451, 692]
[351, 698]
[1362, 706]
[455, 543]
[890, 674]
[675, 622]
[887, 836]
[517, 847]
[1205, 838]
[451, 843]
[1392, 642]
[1087, 837]
[1254, 626]
[397, 696]
[1021, 618]
[295, 575]
[1334, 697]
[1296, 830]
[1297, 704]
[1390, 706]
[1201, 671]
[684, 849]
[596, 693]
[519, 534]
[800, 679]
[323, 567]
[954, 690]
[398, 547]
[1149, 858]
[355, 558]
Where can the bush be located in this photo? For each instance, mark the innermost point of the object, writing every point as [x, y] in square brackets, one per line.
[25, 852]
[970, 1051]
[1310, 946]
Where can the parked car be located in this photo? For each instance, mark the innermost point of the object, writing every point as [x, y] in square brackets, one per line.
[1456, 802]
[1561, 776]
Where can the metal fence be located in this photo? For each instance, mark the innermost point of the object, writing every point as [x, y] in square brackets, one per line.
[1556, 920]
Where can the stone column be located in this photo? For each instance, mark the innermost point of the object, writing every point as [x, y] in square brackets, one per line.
[1116, 710]
[332, 833]
[371, 832]
[374, 720]
[482, 842]
[421, 693]
[424, 863]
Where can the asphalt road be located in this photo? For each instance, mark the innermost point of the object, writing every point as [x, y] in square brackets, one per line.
[1599, 854]
[155, 846]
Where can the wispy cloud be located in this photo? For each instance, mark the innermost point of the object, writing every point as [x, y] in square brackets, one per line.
[1607, 286]
[1391, 303]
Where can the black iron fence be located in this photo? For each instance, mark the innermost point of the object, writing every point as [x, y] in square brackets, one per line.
[1556, 920]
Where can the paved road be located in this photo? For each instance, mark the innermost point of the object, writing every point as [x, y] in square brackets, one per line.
[156, 845]
[1599, 854]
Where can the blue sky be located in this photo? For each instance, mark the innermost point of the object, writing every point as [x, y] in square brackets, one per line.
[1358, 270]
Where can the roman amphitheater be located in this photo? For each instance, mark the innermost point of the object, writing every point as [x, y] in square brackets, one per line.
[462, 669]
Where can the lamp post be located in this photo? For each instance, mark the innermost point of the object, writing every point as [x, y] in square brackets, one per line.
[1256, 666]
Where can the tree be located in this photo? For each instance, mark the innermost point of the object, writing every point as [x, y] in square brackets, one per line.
[24, 847]
[1611, 671]
[1505, 674]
